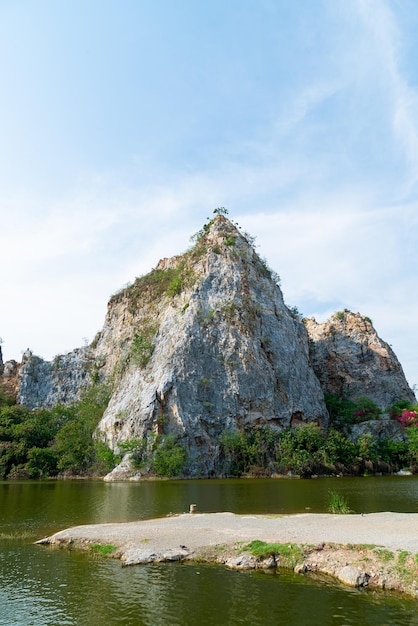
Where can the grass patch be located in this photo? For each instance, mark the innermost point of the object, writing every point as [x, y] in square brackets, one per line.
[338, 504]
[407, 566]
[104, 550]
[22, 535]
[384, 554]
[402, 556]
[287, 555]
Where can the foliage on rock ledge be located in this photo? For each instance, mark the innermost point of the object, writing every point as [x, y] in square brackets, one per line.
[49, 442]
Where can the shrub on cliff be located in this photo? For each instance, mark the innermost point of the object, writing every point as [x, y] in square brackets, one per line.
[345, 412]
[169, 457]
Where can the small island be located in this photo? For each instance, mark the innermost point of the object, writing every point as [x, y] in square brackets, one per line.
[376, 550]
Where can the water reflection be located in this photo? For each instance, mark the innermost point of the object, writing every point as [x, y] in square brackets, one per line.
[40, 586]
[64, 588]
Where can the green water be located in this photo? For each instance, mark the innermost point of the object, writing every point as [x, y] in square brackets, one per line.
[41, 586]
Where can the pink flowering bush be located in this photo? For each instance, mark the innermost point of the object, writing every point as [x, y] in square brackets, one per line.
[408, 418]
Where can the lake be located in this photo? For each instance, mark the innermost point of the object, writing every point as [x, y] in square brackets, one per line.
[42, 586]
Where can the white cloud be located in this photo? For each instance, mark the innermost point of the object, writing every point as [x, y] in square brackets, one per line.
[340, 230]
[385, 49]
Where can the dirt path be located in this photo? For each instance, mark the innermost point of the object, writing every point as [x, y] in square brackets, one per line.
[390, 530]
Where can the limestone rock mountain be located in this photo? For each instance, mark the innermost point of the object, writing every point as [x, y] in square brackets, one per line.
[202, 344]
[205, 343]
[351, 360]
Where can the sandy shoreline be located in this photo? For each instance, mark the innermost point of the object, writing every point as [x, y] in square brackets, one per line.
[220, 537]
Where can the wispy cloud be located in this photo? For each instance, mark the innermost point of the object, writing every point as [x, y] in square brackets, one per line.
[386, 48]
[323, 174]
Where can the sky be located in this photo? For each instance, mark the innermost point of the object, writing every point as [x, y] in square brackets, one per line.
[125, 123]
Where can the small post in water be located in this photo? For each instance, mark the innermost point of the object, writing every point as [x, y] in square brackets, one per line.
[192, 508]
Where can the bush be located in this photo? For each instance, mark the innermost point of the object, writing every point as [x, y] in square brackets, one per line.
[412, 448]
[344, 412]
[339, 449]
[139, 449]
[169, 457]
[392, 452]
[395, 410]
[6, 398]
[42, 462]
[408, 418]
[302, 450]
[245, 451]
[175, 287]
[365, 409]
[42, 442]
[367, 448]
[143, 346]
[74, 442]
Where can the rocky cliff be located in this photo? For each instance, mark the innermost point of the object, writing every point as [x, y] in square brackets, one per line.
[205, 343]
[351, 360]
[61, 381]
[202, 344]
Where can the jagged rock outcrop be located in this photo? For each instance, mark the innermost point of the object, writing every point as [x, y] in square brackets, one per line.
[9, 376]
[203, 344]
[61, 381]
[379, 430]
[351, 360]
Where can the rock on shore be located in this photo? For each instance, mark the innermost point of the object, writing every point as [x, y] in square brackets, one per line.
[376, 550]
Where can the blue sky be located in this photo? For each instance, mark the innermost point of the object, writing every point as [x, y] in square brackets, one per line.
[124, 123]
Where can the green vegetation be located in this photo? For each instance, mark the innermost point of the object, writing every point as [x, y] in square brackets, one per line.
[169, 457]
[307, 450]
[175, 286]
[169, 282]
[295, 313]
[48, 442]
[338, 504]
[162, 455]
[340, 315]
[288, 555]
[220, 210]
[22, 535]
[406, 566]
[343, 412]
[104, 550]
[384, 554]
[143, 345]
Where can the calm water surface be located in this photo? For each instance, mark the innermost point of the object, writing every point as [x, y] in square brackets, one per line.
[40, 586]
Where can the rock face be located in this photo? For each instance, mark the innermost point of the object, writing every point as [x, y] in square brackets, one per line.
[61, 381]
[203, 344]
[351, 360]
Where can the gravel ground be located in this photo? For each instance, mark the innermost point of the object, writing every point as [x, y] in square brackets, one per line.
[395, 531]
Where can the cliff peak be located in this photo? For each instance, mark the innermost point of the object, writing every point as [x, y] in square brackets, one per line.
[204, 343]
[351, 360]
